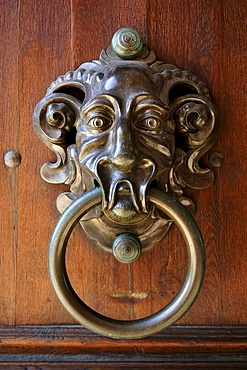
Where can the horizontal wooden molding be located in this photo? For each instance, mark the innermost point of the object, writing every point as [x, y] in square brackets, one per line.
[177, 347]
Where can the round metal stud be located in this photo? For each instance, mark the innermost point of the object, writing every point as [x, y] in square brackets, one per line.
[216, 159]
[126, 248]
[12, 158]
[127, 43]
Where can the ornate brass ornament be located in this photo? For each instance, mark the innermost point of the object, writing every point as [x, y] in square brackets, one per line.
[123, 126]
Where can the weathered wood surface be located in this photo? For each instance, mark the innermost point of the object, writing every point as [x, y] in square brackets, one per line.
[71, 347]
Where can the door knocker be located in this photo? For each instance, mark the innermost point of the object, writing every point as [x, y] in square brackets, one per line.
[128, 132]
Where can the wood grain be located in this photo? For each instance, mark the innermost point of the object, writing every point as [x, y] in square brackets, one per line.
[202, 37]
[74, 347]
[44, 53]
[9, 140]
[232, 185]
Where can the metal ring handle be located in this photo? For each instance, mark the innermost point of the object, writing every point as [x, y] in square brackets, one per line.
[130, 329]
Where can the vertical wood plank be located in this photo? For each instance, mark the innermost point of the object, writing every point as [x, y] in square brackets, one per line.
[232, 178]
[9, 140]
[208, 40]
[106, 285]
[45, 53]
[187, 39]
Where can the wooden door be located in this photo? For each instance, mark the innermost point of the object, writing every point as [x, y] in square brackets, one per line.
[41, 40]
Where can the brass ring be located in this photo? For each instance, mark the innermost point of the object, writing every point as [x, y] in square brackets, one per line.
[131, 329]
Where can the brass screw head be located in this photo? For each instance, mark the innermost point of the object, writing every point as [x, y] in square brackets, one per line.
[126, 248]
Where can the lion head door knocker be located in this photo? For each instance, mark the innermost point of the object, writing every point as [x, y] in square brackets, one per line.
[128, 132]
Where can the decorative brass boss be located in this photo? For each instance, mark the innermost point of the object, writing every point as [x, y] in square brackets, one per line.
[128, 132]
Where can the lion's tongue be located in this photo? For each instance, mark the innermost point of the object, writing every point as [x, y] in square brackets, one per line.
[116, 182]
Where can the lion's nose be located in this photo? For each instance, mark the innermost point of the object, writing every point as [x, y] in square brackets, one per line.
[124, 156]
[124, 163]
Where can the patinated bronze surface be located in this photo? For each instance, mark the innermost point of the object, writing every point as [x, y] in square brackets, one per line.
[126, 123]
[128, 132]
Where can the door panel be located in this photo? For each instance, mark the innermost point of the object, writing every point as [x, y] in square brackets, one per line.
[41, 40]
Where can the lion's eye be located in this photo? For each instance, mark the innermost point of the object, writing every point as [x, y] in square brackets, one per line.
[150, 123]
[99, 123]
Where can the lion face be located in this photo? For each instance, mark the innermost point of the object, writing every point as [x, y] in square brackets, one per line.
[126, 126]
[125, 142]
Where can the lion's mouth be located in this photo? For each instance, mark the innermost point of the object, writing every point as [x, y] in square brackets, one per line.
[124, 206]
[123, 189]
[124, 194]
